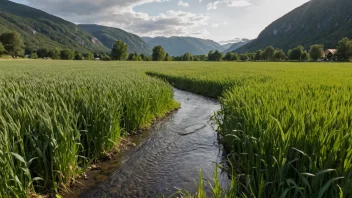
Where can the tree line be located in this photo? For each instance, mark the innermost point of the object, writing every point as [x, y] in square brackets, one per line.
[11, 43]
[299, 53]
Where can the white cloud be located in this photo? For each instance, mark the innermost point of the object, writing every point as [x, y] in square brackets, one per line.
[181, 3]
[86, 6]
[121, 14]
[213, 5]
[228, 3]
[215, 25]
[237, 3]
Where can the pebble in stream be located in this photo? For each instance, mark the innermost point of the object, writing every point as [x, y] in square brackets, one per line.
[172, 156]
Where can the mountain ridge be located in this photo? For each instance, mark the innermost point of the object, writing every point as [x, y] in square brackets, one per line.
[235, 46]
[315, 22]
[109, 35]
[179, 45]
[43, 30]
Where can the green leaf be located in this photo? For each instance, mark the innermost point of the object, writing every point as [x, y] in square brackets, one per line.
[19, 157]
[324, 171]
[327, 185]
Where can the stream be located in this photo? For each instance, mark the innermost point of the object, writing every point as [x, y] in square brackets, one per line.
[171, 157]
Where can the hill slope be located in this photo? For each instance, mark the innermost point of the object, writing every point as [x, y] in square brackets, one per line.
[227, 46]
[237, 45]
[42, 30]
[109, 35]
[316, 22]
[177, 46]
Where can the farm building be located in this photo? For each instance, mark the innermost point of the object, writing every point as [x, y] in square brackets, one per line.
[330, 54]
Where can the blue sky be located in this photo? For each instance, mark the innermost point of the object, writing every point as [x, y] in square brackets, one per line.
[219, 20]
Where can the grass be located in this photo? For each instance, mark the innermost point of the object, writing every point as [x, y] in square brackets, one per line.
[287, 125]
[56, 117]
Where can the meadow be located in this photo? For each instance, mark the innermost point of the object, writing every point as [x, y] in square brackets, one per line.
[286, 126]
[56, 117]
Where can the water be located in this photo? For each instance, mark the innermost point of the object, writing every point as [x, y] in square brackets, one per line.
[172, 156]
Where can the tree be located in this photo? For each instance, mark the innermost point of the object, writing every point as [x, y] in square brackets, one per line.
[119, 51]
[54, 53]
[227, 56]
[158, 53]
[34, 55]
[178, 58]
[279, 55]
[244, 57]
[106, 58]
[250, 56]
[131, 57]
[215, 56]
[2, 49]
[187, 57]
[235, 57]
[305, 55]
[43, 53]
[78, 56]
[142, 57]
[88, 56]
[258, 55]
[210, 55]
[13, 43]
[297, 53]
[316, 51]
[344, 49]
[268, 53]
[134, 57]
[67, 54]
[230, 56]
[168, 58]
[148, 58]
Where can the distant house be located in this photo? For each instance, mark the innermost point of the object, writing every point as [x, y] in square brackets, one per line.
[330, 54]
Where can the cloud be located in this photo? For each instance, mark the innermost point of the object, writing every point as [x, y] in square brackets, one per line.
[85, 6]
[168, 24]
[120, 14]
[238, 3]
[215, 25]
[181, 3]
[228, 3]
[235, 40]
[213, 5]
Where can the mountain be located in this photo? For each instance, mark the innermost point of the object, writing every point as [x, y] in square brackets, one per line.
[177, 46]
[227, 45]
[108, 36]
[42, 30]
[236, 45]
[316, 22]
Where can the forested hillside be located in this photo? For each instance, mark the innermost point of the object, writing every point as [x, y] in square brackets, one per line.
[177, 46]
[318, 21]
[108, 36]
[42, 30]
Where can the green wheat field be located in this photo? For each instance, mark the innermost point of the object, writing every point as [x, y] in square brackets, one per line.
[287, 126]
